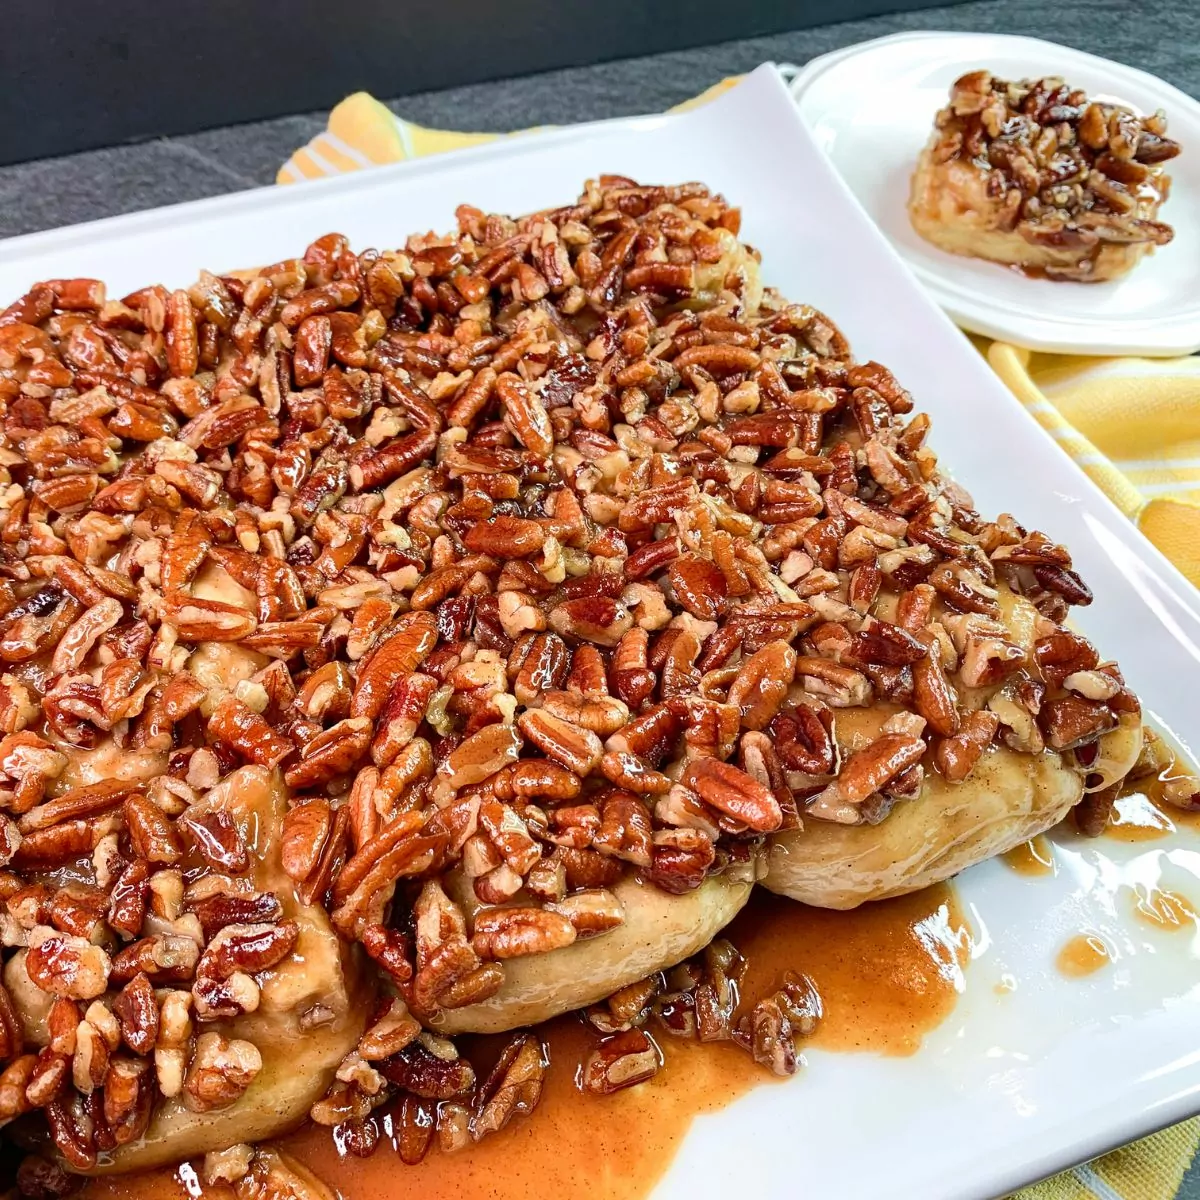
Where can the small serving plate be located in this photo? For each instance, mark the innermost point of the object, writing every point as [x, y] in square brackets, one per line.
[870, 107]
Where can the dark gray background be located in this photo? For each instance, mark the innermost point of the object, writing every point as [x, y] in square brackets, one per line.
[1162, 37]
[158, 70]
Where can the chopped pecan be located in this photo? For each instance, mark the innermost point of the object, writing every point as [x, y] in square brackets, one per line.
[65, 965]
[331, 753]
[577, 749]
[956, 756]
[222, 909]
[625, 830]
[216, 836]
[128, 1098]
[733, 794]
[152, 834]
[481, 755]
[768, 1035]
[389, 1033]
[428, 1075]
[127, 900]
[762, 683]
[85, 801]
[220, 1072]
[1093, 811]
[681, 858]
[305, 830]
[414, 1122]
[1070, 721]
[247, 948]
[591, 911]
[137, 1011]
[165, 958]
[399, 652]
[868, 771]
[235, 725]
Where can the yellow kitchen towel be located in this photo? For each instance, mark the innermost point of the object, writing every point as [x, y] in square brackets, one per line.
[1132, 424]
[364, 133]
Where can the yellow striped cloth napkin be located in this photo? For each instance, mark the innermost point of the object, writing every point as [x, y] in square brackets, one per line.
[1133, 424]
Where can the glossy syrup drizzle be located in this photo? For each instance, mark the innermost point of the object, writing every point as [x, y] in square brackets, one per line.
[1035, 857]
[1084, 954]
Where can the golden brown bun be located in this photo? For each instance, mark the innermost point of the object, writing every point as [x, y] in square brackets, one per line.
[1005, 801]
[949, 206]
[298, 1064]
[660, 930]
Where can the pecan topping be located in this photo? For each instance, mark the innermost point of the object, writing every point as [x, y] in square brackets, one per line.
[68, 966]
[546, 553]
[220, 1071]
[1062, 172]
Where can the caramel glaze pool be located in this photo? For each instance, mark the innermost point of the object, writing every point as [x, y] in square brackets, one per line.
[887, 974]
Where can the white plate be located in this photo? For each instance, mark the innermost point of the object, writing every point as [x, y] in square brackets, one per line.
[1009, 1088]
[871, 108]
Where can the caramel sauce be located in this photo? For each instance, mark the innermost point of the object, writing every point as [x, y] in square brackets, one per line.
[1142, 814]
[1035, 857]
[1165, 910]
[1083, 955]
[1137, 818]
[887, 973]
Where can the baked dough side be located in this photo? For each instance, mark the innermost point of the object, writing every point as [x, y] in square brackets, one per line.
[1005, 801]
[660, 930]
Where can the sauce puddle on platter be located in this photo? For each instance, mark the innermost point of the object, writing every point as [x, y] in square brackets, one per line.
[1143, 814]
[887, 973]
[1137, 818]
[1083, 955]
[1035, 857]
[1165, 910]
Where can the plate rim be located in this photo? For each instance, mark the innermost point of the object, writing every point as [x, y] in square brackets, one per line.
[1171, 335]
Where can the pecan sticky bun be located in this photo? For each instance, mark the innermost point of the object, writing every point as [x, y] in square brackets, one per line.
[1037, 176]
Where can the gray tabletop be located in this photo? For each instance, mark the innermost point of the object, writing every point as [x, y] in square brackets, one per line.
[1164, 39]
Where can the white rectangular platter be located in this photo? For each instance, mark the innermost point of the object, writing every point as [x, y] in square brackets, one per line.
[1012, 1087]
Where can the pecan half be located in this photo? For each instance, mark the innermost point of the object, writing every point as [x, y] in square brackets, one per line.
[733, 793]
[514, 932]
[620, 1061]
